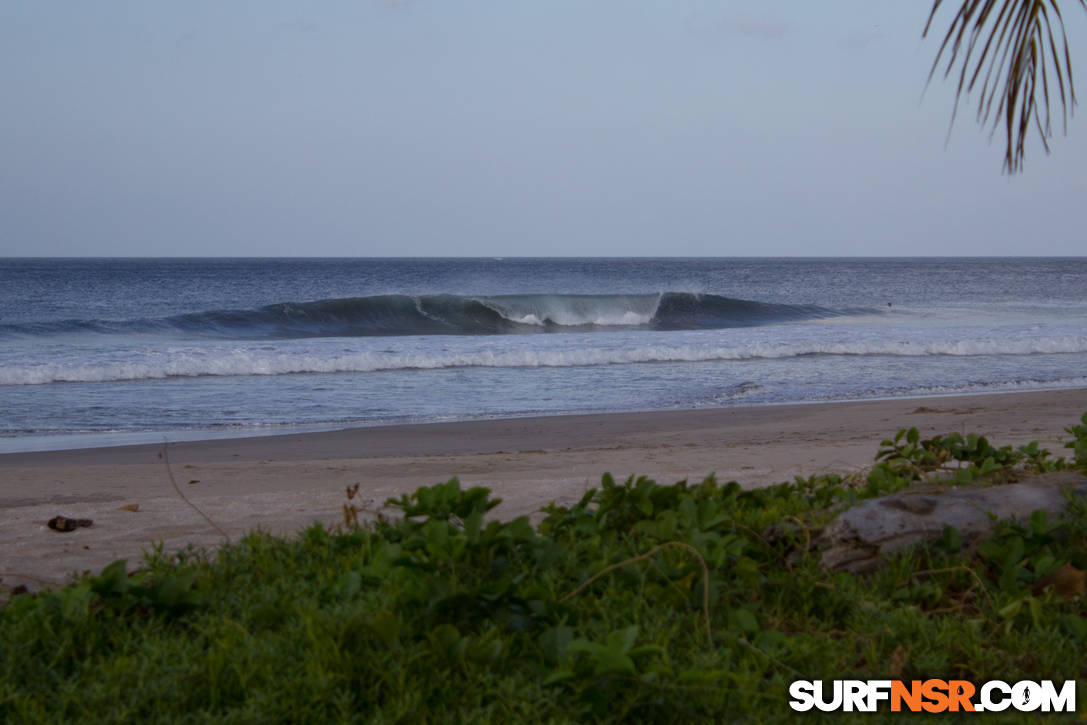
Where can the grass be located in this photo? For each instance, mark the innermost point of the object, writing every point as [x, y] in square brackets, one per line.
[642, 602]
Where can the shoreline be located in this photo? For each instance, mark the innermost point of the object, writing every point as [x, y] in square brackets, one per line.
[456, 436]
[282, 483]
[56, 444]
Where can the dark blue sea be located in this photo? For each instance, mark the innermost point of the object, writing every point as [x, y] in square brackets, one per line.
[109, 351]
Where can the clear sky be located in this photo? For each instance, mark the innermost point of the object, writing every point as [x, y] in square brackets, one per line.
[508, 128]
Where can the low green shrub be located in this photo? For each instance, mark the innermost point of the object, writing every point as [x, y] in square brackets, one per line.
[683, 603]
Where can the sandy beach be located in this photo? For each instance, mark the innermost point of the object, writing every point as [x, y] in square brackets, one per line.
[281, 484]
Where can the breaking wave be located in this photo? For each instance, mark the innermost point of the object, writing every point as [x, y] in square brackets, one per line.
[197, 362]
[388, 315]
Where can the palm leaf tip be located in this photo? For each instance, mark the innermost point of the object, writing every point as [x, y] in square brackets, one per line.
[1014, 53]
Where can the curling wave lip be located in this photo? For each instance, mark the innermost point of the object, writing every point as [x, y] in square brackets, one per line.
[393, 315]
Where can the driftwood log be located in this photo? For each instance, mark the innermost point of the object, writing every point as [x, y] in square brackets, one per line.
[859, 538]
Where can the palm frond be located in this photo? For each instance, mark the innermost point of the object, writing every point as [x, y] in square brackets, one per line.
[1015, 52]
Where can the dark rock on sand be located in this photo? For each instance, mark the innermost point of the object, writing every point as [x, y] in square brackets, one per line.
[65, 524]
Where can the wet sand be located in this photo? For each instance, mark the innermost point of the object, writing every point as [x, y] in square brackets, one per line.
[281, 484]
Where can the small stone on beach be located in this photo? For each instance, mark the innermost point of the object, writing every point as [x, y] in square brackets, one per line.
[64, 524]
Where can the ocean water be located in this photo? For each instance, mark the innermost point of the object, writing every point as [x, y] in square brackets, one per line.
[110, 351]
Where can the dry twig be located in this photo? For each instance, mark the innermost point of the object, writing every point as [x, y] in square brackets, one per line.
[643, 557]
[166, 461]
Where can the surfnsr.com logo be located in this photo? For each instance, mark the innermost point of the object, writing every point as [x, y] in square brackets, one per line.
[932, 696]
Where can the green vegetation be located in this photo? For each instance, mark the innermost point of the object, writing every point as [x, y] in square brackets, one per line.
[683, 603]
